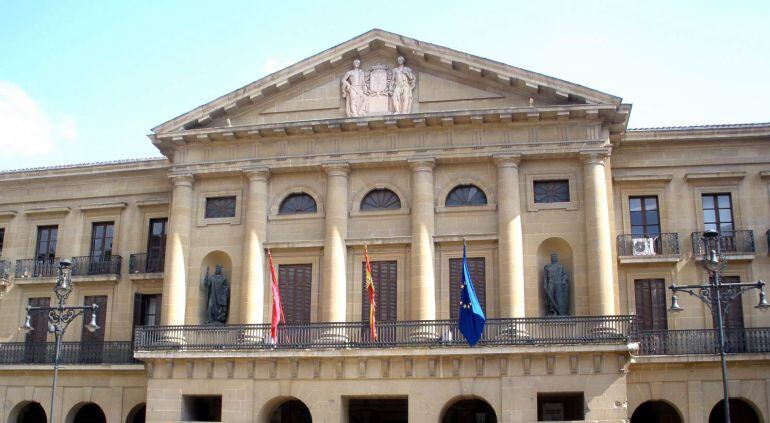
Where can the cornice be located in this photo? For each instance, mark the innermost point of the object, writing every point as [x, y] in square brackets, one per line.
[697, 133]
[663, 177]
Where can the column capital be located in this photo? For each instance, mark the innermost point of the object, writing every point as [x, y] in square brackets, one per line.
[507, 160]
[182, 179]
[257, 173]
[596, 157]
[336, 168]
[422, 164]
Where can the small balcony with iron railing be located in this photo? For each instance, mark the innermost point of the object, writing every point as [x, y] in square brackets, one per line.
[648, 248]
[109, 352]
[96, 267]
[735, 245]
[146, 266]
[597, 331]
[36, 270]
[703, 341]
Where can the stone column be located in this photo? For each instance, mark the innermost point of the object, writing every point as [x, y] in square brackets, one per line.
[510, 244]
[423, 279]
[601, 287]
[333, 288]
[177, 248]
[255, 226]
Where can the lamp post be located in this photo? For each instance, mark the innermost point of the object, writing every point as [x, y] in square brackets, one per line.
[717, 297]
[59, 317]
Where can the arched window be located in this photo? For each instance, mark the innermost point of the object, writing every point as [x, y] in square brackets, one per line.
[298, 203]
[466, 195]
[381, 199]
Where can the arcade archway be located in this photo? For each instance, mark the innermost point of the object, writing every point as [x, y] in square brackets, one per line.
[470, 410]
[655, 412]
[740, 411]
[291, 411]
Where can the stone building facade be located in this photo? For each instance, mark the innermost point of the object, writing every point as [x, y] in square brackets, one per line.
[516, 164]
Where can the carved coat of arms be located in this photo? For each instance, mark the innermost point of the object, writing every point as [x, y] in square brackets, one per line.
[379, 90]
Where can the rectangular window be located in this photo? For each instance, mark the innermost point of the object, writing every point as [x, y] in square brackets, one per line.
[650, 296]
[35, 349]
[477, 269]
[295, 283]
[92, 343]
[556, 191]
[101, 239]
[645, 219]
[147, 309]
[218, 207]
[384, 275]
[156, 244]
[732, 317]
[718, 212]
[46, 242]
[2, 238]
[560, 407]
[202, 408]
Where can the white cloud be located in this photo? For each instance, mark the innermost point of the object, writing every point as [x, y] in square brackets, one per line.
[28, 130]
[272, 64]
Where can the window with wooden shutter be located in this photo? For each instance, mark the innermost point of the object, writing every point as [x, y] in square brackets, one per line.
[651, 304]
[294, 283]
[385, 276]
[477, 269]
[35, 350]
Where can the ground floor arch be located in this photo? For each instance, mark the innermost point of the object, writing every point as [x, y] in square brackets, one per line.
[656, 412]
[28, 412]
[469, 410]
[290, 411]
[740, 411]
[137, 414]
[86, 413]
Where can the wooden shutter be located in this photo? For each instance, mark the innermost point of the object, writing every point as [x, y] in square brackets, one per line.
[39, 320]
[651, 304]
[733, 315]
[294, 283]
[385, 277]
[101, 315]
[477, 269]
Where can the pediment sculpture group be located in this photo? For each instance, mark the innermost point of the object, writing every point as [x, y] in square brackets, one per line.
[378, 91]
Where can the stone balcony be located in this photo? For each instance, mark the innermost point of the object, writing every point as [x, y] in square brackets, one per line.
[648, 248]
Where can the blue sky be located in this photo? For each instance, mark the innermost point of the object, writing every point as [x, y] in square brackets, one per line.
[84, 81]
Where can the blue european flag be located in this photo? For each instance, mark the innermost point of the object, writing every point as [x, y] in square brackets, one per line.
[471, 316]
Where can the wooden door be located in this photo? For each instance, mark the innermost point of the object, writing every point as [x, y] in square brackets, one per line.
[295, 285]
[385, 278]
[651, 304]
[92, 343]
[35, 350]
[732, 316]
[477, 270]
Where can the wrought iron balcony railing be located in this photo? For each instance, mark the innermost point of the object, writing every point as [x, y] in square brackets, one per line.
[703, 341]
[113, 352]
[425, 333]
[37, 268]
[648, 245]
[146, 263]
[96, 265]
[731, 242]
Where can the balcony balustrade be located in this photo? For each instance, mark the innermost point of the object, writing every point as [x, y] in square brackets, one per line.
[37, 268]
[113, 352]
[703, 341]
[433, 333]
[145, 263]
[731, 242]
[641, 245]
[96, 265]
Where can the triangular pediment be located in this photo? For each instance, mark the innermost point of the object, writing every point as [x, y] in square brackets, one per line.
[442, 79]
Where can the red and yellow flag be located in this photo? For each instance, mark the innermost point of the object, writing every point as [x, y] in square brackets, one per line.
[277, 308]
[370, 288]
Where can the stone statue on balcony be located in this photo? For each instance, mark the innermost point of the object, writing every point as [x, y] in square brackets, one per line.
[556, 287]
[218, 296]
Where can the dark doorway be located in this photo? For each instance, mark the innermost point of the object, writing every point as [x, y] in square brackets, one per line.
[655, 412]
[295, 283]
[92, 343]
[137, 415]
[32, 413]
[386, 410]
[470, 411]
[90, 413]
[35, 347]
[292, 411]
[740, 411]
[156, 245]
[732, 316]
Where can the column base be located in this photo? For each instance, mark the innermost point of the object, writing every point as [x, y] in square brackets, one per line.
[426, 335]
[332, 338]
[607, 332]
[514, 334]
[170, 341]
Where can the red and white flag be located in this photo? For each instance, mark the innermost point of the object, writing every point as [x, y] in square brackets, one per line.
[370, 288]
[277, 308]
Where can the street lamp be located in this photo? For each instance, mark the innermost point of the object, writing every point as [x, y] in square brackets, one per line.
[717, 297]
[59, 317]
